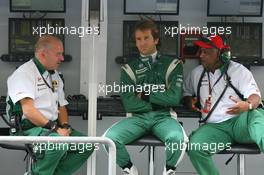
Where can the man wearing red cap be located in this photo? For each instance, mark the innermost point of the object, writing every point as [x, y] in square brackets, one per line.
[228, 97]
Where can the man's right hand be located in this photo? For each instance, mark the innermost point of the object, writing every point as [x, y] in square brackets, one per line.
[139, 95]
[190, 102]
[63, 132]
[194, 101]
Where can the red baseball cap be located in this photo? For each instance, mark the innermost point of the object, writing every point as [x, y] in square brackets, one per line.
[213, 41]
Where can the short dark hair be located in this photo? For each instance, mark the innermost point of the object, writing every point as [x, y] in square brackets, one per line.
[148, 25]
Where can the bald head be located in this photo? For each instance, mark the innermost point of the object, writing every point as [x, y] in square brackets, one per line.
[49, 51]
[45, 42]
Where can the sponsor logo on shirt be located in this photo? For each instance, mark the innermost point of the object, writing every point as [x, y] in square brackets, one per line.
[43, 88]
[20, 93]
[55, 83]
[140, 71]
[41, 84]
[204, 82]
[144, 59]
[140, 66]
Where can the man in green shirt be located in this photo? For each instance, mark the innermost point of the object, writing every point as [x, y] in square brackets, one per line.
[151, 85]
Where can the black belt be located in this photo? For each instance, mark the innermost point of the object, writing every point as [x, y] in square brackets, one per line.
[26, 125]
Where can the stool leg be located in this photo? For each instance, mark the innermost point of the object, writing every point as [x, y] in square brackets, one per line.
[29, 165]
[241, 164]
[151, 160]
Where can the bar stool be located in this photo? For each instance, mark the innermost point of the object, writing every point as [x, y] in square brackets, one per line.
[241, 150]
[151, 142]
[29, 159]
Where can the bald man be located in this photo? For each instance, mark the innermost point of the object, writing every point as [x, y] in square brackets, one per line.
[35, 92]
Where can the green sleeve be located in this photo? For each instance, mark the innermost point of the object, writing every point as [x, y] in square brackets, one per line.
[130, 101]
[173, 94]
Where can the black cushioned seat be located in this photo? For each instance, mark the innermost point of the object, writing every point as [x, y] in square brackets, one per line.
[242, 149]
[150, 140]
[13, 147]
[147, 140]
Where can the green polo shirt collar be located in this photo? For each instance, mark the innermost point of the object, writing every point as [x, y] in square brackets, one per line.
[40, 67]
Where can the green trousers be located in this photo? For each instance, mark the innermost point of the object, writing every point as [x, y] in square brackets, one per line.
[160, 124]
[211, 138]
[58, 159]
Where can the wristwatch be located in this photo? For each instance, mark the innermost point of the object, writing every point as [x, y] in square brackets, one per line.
[67, 126]
[51, 125]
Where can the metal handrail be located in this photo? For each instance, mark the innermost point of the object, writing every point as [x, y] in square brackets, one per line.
[46, 139]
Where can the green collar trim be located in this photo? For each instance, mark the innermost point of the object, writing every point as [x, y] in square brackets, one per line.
[158, 56]
[40, 67]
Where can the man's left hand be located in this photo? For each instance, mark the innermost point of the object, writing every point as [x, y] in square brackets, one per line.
[240, 106]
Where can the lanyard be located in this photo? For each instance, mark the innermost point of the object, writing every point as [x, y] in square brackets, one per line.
[220, 97]
[51, 87]
[210, 87]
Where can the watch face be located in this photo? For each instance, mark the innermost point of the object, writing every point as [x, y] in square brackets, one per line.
[66, 125]
[53, 126]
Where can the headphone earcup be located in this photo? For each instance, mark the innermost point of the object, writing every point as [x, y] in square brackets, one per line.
[225, 56]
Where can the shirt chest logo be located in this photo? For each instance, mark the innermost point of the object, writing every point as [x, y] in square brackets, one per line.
[40, 84]
[41, 88]
[140, 71]
[55, 84]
